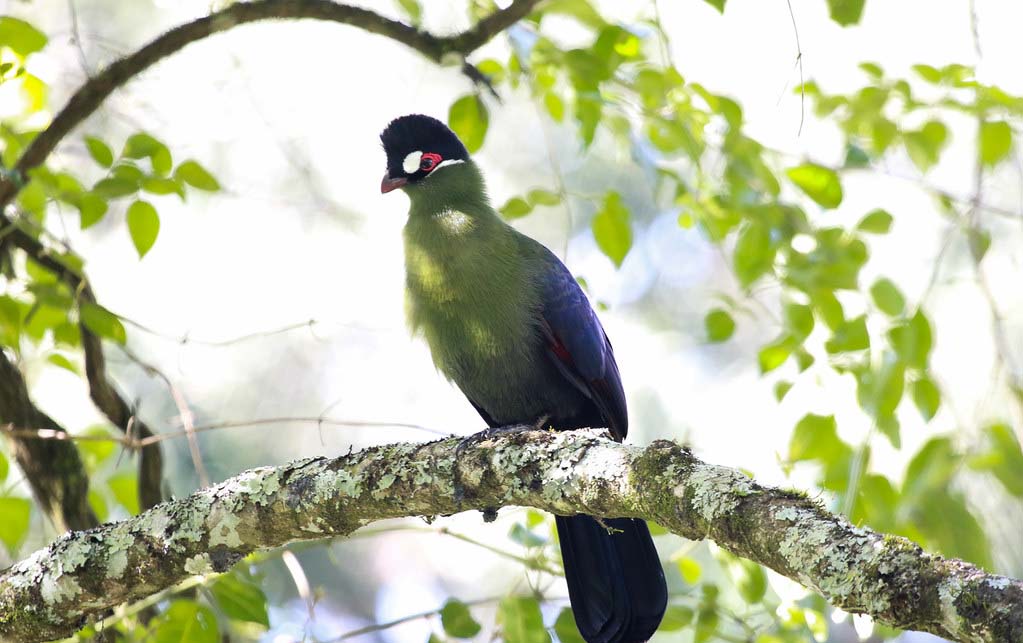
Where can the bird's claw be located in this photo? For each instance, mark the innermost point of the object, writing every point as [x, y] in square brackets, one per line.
[482, 436]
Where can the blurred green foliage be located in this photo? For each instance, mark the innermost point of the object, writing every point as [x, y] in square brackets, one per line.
[765, 213]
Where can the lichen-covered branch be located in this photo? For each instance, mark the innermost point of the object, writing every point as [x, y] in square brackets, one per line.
[59, 588]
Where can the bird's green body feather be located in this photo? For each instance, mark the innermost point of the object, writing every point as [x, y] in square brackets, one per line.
[472, 292]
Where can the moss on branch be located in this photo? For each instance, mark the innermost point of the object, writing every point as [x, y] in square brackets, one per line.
[59, 588]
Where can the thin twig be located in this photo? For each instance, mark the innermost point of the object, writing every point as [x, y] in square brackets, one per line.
[369, 629]
[185, 415]
[799, 62]
[76, 38]
[130, 441]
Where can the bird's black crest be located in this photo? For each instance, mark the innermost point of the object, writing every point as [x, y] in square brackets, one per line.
[418, 132]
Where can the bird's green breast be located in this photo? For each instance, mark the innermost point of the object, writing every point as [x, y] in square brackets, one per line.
[468, 293]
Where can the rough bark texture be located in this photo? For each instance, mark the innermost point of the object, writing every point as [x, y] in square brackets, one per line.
[59, 588]
[52, 467]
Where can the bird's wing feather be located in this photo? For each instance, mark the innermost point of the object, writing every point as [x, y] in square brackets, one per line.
[579, 346]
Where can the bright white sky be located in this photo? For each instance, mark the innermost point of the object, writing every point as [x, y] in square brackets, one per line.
[262, 102]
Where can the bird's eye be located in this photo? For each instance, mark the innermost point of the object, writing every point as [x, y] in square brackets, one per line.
[429, 161]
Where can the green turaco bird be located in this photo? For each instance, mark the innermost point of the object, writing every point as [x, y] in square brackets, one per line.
[508, 324]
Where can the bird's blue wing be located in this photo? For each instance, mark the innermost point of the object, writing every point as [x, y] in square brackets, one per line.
[579, 346]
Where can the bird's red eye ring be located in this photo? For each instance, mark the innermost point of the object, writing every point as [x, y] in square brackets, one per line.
[429, 161]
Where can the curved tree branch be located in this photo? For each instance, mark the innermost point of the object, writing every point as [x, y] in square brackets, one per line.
[92, 94]
[859, 570]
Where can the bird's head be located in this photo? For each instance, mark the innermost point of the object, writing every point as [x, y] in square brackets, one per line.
[417, 147]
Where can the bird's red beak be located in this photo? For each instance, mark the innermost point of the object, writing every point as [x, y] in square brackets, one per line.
[389, 184]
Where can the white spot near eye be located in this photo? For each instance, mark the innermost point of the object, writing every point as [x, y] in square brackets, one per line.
[411, 162]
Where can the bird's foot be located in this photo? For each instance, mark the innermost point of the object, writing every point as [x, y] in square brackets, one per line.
[482, 436]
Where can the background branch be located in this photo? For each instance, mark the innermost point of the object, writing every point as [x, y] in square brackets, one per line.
[92, 94]
[857, 569]
[52, 467]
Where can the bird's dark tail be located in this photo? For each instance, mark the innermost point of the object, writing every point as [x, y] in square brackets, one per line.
[615, 580]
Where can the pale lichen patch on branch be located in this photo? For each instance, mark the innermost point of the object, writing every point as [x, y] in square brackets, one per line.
[716, 491]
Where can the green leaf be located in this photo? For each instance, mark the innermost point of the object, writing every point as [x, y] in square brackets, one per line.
[469, 119]
[913, 340]
[98, 506]
[525, 537]
[4, 467]
[103, 323]
[20, 36]
[773, 355]
[113, 187]
[1004, 459]
[855, 157]
[99, 151]
[719, 325]
[185, 622]
[611, 228]
[752, 581]
[162, 185]
[565, 627]
[979, 241]
[515, 208]
[412, 10]
[675, 618]
[888, 297]
[880, 391]
[555, 106]
[196, 176]
[924, 145]
[828, 308]
[543, 197]
[717, 4]
[815, 437]
[872, 69]
[62, 361]
[521, 620]
[927, 397]
[14, 521]
[819, 183]
[690, 570]
[846, 12]
[33, 199]
[798, 320]
[144, 226]
[125, 487]
[588, 110]
[753, 255]
[876, 221]
[781, 389]
[457, 620]
[850, 336]
[241, 598]
[928, 73]
[706, 622]
[96, 452]
[91, 208]
[141, 145]
[995, 141]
